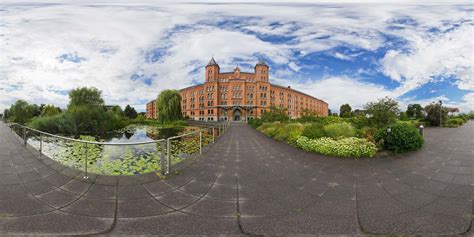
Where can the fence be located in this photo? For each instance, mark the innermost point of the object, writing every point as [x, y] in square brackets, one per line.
[119, 158]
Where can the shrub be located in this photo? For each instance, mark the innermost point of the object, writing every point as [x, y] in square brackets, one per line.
[255, 123]
[455, 122]
[310, 118]
[57, 124]
[413, 123]
[332, 119]
[293, 131]
[343, 129]
[401, 138]
[275, 114]
[282, 132]
[345, 147]
[367, 133]
[313, 131]
[268, 129]
[359, 121]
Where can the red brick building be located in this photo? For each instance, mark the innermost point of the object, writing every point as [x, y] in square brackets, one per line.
[242, 95]
[151, 110]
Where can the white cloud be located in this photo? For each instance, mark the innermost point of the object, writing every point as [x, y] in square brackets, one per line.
[340, 90]
[448, 54]
[113, 39]
[341, 56]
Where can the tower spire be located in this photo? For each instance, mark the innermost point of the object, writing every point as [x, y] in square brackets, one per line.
[212, 62]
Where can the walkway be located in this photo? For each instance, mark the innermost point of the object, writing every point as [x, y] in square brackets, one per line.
[247, 183]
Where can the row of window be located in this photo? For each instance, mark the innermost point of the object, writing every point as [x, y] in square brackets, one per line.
[238, 88]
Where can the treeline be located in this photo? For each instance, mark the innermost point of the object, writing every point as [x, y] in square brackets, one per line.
[85, 113]
[433, 114]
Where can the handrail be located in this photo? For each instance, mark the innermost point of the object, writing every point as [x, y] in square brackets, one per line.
[165, 166]
[112, 143]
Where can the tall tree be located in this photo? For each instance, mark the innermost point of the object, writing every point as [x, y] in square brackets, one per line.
[117, 110]
[403, 116]
[21, 111]
[6, 113]
[130, 112]
[86, 96]
[168, 105]
[435, 112]
[383, 112]
[50, 110]
[415, 111]
[86, 106]
[36, 110]
[345, 111]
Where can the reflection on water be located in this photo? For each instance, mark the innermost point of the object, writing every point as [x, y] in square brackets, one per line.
[121, 159]
[143, 133]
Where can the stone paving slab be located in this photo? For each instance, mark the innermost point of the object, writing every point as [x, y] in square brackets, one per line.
[248, 183]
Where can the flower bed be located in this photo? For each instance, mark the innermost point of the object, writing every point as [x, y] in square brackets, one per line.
[343, 147]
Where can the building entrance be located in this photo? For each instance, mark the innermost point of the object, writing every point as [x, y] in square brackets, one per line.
[236, 115]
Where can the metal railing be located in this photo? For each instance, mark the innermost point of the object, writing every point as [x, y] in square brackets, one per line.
[168, 150]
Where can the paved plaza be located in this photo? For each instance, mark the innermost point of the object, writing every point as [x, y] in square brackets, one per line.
[248, 184]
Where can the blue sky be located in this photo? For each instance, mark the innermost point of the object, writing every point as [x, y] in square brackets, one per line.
[415, 52]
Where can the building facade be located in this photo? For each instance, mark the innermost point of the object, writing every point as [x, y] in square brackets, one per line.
[239, 96]
[151, 110]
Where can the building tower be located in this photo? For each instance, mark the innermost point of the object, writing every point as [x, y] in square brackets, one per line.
[212, 70]
[261, 71]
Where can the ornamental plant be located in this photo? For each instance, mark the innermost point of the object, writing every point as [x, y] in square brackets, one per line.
[313, 131]
[401, 137]
[343, 129]
[283, 132]
[344, 147]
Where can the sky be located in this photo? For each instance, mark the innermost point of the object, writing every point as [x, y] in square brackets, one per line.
[412, 51]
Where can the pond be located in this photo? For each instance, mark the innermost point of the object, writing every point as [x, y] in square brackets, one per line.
[123, 159]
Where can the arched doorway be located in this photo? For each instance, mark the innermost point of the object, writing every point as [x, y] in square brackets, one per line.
[236, 115]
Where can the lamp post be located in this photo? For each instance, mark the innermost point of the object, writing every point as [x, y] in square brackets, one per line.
[440, 112]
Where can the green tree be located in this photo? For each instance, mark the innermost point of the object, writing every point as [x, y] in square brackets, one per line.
[117, 110]
[6, 113]
[275, 114]
[85, 97]
[403, 116]
[433, 112]
[345, 111]
[383, 112]
[21, 111]
[168, 105]
[415, 111]
[130, 112]
[36, 110]
[50, 110]
[86, 108]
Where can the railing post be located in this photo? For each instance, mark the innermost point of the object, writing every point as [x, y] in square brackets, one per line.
[168, 150]
[200, 142]
[24, 135]
[85, 168]
[162, 158]
[41, 144]
[213, 136]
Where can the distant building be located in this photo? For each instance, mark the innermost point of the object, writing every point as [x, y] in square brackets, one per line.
[151, 110]
[241, 96]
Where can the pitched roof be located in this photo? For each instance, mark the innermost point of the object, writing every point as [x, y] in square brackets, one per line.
[212, 62]
[261, 62]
